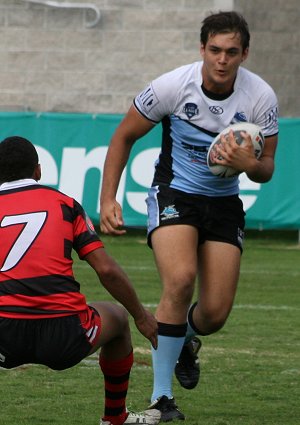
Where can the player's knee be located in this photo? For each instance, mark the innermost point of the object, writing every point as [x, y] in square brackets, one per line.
[182, 283]
[212, 326]
[179, 293]
[212, 321]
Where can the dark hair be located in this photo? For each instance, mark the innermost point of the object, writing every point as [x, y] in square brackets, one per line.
[18, 159]
[224, 22]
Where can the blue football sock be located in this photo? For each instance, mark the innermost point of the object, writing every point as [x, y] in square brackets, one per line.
[164, 360]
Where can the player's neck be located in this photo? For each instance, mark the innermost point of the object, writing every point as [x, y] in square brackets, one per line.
[216, 96]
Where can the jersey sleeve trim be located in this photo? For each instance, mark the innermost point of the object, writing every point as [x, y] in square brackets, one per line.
[145, 116]
[85, 250]
[271, 135]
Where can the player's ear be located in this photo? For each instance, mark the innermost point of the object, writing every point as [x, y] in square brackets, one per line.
[37, 172]
[202, 49]
[245, 54]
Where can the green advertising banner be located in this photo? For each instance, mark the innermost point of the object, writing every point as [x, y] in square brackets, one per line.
[72, 150]
[276, 204]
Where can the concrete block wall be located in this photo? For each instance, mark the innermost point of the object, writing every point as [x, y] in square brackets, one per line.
[274, 48]
[51, 60]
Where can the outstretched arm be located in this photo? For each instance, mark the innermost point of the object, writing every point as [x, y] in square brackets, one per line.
[117, 283]
[132, 127]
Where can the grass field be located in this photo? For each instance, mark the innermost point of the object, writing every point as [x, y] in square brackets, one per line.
[250, 369]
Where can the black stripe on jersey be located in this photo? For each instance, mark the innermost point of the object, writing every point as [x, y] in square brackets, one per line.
[33, 311]
[69, 213]
[163, 174]
[39, 286]
[84, 239]
[68, 246]
[210, 133]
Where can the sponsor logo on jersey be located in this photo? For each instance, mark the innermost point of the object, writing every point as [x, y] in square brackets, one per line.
[190, 110]
[196, 153]
[239, 117]
[169, 212]
[89, 223]
[217, 110]
[2, 358]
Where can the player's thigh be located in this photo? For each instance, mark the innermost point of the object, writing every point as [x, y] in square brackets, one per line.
[175, 253]
[114, 323]
[218, 276]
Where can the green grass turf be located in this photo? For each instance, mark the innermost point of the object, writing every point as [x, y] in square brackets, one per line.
[250, 369]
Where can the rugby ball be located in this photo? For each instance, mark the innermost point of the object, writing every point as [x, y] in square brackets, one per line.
[257, 138]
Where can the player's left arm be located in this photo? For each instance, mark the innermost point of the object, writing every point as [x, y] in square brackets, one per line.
[265, 114]
[261, 170]
[243, 159]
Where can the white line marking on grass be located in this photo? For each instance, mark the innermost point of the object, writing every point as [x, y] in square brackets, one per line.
[250, 307]
[278, 272]
[142, 350]
[93, 361]
[272, 272]
[291, 372]
[134, 267]
[265, 307]
[139, 268]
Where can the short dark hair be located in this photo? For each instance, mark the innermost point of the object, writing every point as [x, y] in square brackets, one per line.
[224, 22]
[18, 159]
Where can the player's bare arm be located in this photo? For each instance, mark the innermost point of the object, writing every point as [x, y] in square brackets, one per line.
[264, 168]
[116, 282]
[132, 127]
[242, 158]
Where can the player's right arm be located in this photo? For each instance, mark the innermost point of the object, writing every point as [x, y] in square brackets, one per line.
[117, 283]
[132, 127]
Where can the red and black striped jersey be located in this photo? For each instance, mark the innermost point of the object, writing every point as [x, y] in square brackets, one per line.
[39, 227]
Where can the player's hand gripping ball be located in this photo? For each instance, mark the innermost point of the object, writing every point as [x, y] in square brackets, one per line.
[257, 138]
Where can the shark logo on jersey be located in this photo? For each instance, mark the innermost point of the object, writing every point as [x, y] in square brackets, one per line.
[239, 117]
[169, 212]
[190, 110]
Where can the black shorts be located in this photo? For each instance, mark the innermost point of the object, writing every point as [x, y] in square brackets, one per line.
[217, 218]
[58, 343]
